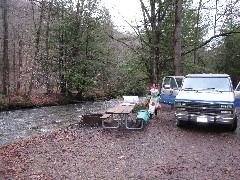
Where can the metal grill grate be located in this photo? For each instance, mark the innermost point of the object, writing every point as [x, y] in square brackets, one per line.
[203, 108]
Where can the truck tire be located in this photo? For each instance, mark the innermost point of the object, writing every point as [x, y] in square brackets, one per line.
[233, 126]
[179, 123]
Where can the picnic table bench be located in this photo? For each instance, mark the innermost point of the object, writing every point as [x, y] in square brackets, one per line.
[122, 113]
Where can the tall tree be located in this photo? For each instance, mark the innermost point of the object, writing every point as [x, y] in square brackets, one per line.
[197, 30]
[38, 28]
[5, 69]
[163, 34]
[153, 36]
[80, 35]
[177, 37]
[48, 62]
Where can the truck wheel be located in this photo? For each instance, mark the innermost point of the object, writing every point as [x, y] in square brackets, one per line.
[179, 123]
[233, 126]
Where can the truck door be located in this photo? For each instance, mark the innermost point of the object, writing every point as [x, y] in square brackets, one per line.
[237, 96]
[169, 90]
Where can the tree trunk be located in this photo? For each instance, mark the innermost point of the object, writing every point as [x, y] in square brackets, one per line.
[177, 37]
[153, 38]
[14, 62]
[37, 48]
[215, 17]
[20, 56]
[155, 42]
[62, 61]
[47, 63]
[5, 71]
[196, 31]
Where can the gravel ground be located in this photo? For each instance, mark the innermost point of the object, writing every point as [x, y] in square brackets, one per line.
[159, 151]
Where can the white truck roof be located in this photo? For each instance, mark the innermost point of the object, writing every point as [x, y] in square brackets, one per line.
[207, 75]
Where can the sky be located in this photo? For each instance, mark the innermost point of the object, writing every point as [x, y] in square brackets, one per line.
[125, 10]
[122, 11]
[130, 10]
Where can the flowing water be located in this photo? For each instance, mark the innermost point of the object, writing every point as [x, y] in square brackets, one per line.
[22, 124]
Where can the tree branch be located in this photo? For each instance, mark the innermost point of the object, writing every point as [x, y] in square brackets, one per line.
[209, 40]
[118, 40]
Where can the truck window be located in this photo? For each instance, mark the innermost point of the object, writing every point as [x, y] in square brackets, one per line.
[167, 81]
[173, 84]
[238, 87]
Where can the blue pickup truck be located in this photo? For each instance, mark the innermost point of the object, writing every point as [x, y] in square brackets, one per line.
[207, 99]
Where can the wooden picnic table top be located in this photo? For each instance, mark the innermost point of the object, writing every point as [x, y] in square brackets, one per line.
[121, 109]
[124, 116]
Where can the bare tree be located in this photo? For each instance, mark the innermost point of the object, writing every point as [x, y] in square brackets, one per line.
[215, 17]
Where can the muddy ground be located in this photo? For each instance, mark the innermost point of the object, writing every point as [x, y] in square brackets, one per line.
[159, 151]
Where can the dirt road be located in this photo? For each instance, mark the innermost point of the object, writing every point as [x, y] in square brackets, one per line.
[160, 151]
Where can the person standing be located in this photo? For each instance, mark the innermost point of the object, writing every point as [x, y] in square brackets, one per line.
[154, 103]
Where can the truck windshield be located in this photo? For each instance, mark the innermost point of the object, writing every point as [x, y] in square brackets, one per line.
[207, 84]
[179, 82]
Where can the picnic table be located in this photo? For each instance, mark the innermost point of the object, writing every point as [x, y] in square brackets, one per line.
[122, 114]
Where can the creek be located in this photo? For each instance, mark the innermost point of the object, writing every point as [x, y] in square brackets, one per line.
[22, 124]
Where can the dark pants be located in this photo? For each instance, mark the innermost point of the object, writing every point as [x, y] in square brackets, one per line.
[155, 112]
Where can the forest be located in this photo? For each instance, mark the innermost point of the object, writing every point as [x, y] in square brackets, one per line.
[61, 50]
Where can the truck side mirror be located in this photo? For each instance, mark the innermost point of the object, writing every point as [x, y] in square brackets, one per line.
[166, 86]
